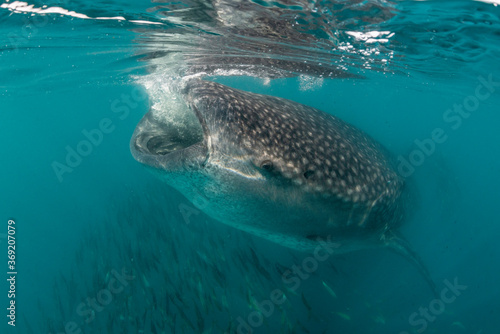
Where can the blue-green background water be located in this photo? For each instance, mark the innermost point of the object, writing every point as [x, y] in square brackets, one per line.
[64, 75]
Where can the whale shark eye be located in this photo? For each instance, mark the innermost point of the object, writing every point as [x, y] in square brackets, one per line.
[266, 164]
[308, 174]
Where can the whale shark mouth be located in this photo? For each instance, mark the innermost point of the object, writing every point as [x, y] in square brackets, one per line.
[165, 143]
[160, 139]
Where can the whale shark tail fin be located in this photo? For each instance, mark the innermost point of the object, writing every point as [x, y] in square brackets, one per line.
[398, 244]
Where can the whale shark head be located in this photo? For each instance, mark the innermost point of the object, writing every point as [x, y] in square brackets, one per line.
[270, 166]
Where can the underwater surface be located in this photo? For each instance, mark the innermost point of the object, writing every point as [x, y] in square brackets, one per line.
[102, 245]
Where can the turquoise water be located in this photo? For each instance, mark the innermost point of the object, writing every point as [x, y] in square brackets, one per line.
[401, 70]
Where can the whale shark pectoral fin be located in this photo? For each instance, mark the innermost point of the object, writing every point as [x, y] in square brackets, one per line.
[401, 246]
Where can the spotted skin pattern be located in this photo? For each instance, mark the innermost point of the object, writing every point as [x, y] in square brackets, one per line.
[315, 151]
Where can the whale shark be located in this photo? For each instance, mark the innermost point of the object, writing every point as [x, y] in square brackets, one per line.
[277, 169]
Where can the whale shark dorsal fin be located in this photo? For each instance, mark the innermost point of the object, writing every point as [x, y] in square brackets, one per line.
[398, 244]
